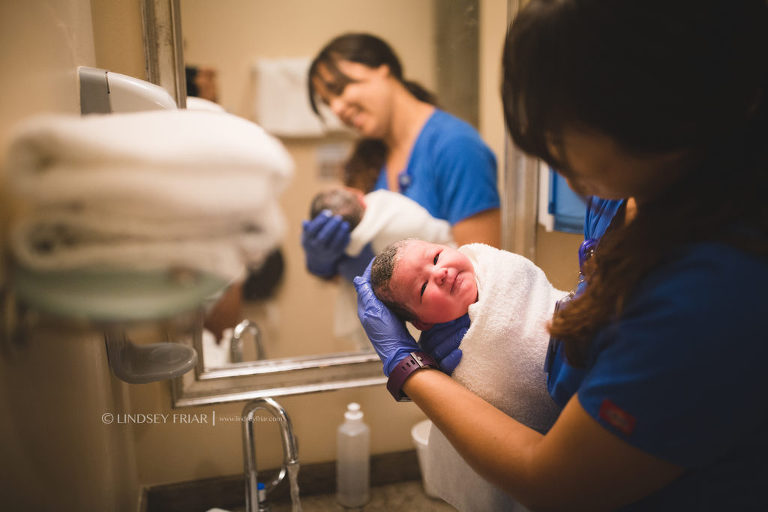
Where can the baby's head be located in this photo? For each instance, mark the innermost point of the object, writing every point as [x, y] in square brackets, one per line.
[424, 283]
[344, 201]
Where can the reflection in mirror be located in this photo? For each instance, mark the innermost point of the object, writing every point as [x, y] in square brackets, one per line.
[232, 51]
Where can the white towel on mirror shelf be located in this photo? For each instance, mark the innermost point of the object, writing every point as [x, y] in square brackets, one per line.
[204, 162]
[502, 362]
[196, 139]
[146, 190]
[51, 242]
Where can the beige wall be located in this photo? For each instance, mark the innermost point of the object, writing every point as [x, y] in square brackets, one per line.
[42, 43]
[119, 44]
[229, 35]
[557, 255]
[493, 27]
[54, 384]
[57, 453]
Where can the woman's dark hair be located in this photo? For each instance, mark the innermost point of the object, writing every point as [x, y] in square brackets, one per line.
[262, 282]
[369, 155]
[656, 76]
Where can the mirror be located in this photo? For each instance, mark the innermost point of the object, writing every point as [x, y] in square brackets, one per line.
[437, 42]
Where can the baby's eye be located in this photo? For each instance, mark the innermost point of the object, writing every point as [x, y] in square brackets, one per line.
[423, 287]
[437, 256]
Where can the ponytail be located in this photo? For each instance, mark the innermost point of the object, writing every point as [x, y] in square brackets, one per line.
[419, 92]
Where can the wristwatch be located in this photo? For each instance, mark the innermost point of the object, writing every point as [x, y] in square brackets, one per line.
[404, 369]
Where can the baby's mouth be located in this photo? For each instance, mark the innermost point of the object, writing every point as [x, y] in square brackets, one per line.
[455, 282]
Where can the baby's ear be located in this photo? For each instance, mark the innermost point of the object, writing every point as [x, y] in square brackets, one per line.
[422, 326]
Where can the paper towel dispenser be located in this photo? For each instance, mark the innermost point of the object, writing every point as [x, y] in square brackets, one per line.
[103, 92]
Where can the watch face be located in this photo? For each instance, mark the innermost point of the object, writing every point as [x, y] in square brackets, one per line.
[404, 369]
[424, 360]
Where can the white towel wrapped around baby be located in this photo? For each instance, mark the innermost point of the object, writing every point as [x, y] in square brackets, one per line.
[146, 190]
[390, 217]
[503, 363]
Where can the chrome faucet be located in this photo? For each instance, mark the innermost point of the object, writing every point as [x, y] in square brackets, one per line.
[236, 344]
[253, 502]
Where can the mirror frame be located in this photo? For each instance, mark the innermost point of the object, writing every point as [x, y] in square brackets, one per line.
[309, 374]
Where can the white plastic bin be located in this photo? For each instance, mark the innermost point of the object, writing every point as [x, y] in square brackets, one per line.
[420, 436]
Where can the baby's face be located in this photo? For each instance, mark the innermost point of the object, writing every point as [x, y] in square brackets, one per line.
[434, 281]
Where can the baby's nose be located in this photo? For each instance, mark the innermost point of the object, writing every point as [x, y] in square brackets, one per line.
[440, 275]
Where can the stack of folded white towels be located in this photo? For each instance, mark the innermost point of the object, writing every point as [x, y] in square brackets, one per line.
[152, 190]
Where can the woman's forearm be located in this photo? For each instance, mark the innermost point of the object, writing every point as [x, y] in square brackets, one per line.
[577, 465]
[484, 228]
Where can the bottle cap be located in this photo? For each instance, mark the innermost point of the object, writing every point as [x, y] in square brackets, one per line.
[353, 411]
[262, 492]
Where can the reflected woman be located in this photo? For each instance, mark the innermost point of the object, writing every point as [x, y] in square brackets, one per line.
[408, 145]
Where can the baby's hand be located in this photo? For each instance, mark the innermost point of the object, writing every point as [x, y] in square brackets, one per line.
[442, 342]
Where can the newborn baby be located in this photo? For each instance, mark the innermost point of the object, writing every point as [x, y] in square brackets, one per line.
[424, 283]
[510, 301]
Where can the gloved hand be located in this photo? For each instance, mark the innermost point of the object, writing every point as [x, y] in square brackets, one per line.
[324, 239]
[352, 266]
[442, 342]
[387, 333]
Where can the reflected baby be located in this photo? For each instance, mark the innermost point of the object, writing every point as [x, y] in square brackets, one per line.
[424, 283]
[347, 202]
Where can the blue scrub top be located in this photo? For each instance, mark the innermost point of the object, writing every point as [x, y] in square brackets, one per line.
[563, 379]
[680, 374]
[451, 172]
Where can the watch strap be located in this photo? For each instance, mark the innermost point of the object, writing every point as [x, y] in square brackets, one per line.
[413, 362]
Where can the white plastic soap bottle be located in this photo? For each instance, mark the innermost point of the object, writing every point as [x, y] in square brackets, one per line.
[353, 440]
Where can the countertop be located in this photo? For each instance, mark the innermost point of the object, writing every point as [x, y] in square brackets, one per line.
[395, 486]
[402, 496]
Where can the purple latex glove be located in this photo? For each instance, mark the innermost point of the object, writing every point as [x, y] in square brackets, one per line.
[350, 267]
[324, 239]
[442, 342]
[387, 333]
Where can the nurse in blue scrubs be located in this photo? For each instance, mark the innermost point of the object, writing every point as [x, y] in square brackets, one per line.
[408, 145]
[660, 107]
